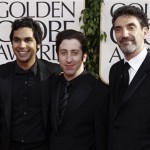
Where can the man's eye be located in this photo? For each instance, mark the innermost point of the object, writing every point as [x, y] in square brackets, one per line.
[131, 28]
[16, 40]
[28, 40]
[75, 53]
[117, 29]
[63, 53]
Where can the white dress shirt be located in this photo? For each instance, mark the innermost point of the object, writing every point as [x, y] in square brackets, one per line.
[135, 63]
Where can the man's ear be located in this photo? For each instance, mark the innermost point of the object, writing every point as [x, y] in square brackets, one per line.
[84, 57]
[146, 30]
[38, 46]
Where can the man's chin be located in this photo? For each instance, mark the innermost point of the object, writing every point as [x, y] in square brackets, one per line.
[22, 60]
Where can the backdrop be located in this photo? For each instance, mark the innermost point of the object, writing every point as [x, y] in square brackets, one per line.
[109, 51]
[53, 16]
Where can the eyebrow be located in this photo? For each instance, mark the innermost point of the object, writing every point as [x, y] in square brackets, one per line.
[129, 24]
[70, 50]
[28, 37]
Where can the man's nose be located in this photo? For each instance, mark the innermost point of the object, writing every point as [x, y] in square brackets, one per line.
[125, 32]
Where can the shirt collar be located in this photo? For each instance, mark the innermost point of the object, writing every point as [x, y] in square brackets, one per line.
[32, 70]
[136, 62]
[76, 80]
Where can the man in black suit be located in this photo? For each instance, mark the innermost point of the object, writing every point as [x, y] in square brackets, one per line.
[24, 90]
[79, 120]
[129, 123]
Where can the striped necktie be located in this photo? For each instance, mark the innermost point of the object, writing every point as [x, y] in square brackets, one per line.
[64, 100]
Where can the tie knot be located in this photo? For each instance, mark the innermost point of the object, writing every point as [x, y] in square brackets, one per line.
[67, 83]
[126, 66]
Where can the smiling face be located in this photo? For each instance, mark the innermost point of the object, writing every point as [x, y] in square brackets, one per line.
[130, 35]
[71, 58]
[24, 46]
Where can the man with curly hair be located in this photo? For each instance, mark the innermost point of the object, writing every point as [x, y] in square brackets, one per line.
[129, 123]
[24, 89]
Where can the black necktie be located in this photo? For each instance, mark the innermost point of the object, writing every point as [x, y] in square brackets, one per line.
[124, 80]
[64, 100]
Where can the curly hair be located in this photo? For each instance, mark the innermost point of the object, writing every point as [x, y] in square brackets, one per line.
[72, 34]
[131, 11]
[30, 23]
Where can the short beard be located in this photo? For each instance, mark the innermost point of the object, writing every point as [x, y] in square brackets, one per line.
[128, 50]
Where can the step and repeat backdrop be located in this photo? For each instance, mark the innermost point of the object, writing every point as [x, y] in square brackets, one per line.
[53, 16]
[109, 51]
[58, 15]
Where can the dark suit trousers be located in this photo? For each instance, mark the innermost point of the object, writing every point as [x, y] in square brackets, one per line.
[24, 146]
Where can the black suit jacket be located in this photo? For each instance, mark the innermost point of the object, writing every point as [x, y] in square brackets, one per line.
[84, 124]
[6, 78]
[129, 126]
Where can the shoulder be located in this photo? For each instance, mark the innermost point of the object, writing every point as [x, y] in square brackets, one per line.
[116, 66]
[99, 90]
[7, 68]
[8, 64]
[95, 83]
[52, 67]
[55, 80]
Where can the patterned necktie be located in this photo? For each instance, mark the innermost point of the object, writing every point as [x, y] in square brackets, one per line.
[124, 80]
[64, 100]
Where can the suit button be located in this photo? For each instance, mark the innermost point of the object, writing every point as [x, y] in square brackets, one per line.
[22, 141]
[25, 98]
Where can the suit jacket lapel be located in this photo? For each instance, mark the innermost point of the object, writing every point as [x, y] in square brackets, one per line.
[44, 79]
[8, 99]
[54, 102]
[78, 97]
[116, 82]
[136, 82]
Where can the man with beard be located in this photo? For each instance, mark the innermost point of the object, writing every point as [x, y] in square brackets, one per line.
[129, 123]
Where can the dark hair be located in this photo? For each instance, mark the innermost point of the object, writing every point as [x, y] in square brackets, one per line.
[132, 11]
[30, 23]
[71, 34]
